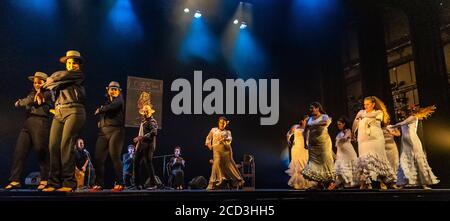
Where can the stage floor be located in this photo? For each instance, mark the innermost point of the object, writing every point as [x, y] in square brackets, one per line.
[275, 195]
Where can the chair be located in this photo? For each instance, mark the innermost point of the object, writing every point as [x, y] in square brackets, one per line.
[247, 169]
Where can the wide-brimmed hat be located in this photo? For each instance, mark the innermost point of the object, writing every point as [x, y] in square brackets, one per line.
[114, 84]
[40, 75]
[71, 54]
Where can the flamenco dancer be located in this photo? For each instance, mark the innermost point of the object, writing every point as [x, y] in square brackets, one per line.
[414, 169]
[69, 119]
[35, 132]
[346, 157]
[224, 172]
[320, 167]
[145, 146]
[372, 163]
[111, 137]
[299, 155]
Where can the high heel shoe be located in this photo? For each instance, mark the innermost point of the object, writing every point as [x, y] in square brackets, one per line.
[394, 187]
[49, 189]
[65, 190]
[383, 186]
[362, 186]
[42, 185]
[332, 186]
[117, 188]
[425, 187]
[13, 185]
[96, 188]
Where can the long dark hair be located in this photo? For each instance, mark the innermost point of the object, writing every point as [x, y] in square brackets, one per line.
[304, 116]
[318, 105]
[345, 121]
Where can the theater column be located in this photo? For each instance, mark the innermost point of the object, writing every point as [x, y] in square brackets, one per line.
[431, 75]
[372, 50]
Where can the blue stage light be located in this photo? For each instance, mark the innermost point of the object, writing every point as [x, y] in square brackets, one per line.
[248, 58]
[243, 25]
[41, 8]
[199, 43]
[124, 20]
[197, 14]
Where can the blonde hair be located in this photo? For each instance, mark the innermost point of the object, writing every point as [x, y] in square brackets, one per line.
[144, 99]
[424, 113]
[379, 105]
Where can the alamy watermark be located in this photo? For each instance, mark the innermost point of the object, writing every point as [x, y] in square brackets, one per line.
[213, 103]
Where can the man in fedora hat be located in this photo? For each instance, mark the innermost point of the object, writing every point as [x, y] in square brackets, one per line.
[34, 133]
[110, 137]
[69, 119]
[145, 146]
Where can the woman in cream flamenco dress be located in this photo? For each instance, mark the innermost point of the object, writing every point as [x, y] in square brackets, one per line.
[414, 169]
[320, 168]
[224, 172]
[299, 156]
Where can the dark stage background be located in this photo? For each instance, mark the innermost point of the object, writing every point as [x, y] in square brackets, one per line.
[299, 47]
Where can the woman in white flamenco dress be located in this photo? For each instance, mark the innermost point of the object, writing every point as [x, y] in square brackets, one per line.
[414, 169]
[346, 157]
[372, 163]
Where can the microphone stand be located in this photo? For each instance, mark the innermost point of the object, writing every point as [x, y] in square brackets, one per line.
[89, 167]
[132, 173]
[164, 162]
